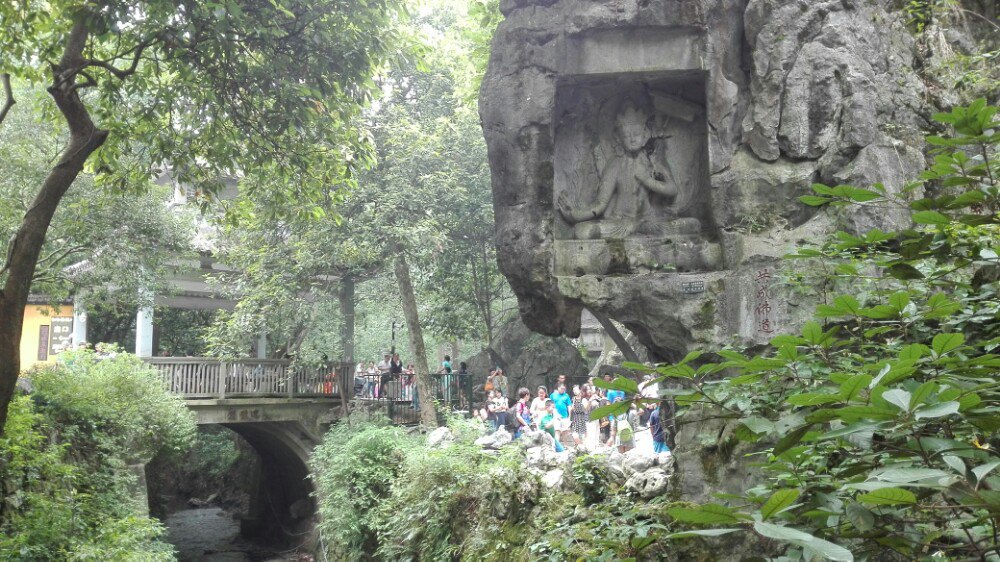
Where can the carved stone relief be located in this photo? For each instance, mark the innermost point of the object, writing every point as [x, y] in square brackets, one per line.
[631, 166]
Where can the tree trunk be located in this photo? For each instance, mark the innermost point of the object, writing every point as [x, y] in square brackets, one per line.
[345, 297]
[425, 387]
[26, 246]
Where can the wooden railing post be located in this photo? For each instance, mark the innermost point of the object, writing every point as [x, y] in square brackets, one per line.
[222, 379]
[290, 372]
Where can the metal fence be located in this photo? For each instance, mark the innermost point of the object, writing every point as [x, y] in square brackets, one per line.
[399, 395]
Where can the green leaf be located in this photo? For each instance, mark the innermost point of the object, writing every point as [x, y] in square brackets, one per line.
[620, 383]
[790, 440]
[701, 533]
[812, 332]
[921, 394]
[914, 352]
[847, 303]
[860, 516]
[904, 271]
[824, 548]
[705, 515]
[905, 475]
[955, 463]
[814, 200]
[849, 430]
[943, 343]
[982, 470]
[930, 217]
[898, 397]
[758, 425]
[615, 409]
[778, 501]
[937, 410]
[852, 386]
[812, 399]
[888, 496]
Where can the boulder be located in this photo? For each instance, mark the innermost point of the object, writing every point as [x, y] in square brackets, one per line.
[494, 440]
[665, 461]
[636, 460]
[649, 483]
[527, 358]
[533, 438]
[553, 479]
[440, 437]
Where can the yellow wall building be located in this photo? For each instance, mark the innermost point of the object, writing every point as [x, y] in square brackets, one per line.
[47, 331]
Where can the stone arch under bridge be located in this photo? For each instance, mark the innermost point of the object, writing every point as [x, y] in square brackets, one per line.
[283, 432]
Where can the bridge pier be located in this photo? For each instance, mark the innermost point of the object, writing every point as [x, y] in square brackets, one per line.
[283, 432]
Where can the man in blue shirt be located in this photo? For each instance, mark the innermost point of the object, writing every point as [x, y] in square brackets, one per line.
[613, 395]
[659, 436]
[562, 401]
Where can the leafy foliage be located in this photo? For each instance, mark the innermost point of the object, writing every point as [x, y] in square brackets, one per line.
[878, 421]
[66, 486]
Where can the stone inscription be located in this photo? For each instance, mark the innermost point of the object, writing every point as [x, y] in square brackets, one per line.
[762, 312]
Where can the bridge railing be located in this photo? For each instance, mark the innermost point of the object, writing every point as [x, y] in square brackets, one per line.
[205, 377]
[398, 393]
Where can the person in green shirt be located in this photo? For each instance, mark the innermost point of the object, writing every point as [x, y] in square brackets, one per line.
[548, 424]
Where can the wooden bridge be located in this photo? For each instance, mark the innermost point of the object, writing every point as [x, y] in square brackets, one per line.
[202, 377]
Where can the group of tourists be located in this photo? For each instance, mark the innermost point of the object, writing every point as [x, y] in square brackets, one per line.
[371, 380]
[565, 414]
[389, 379]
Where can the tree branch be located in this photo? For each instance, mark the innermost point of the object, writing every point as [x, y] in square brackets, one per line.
[8, 94]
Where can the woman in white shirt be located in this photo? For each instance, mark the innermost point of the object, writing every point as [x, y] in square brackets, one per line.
[537, 408]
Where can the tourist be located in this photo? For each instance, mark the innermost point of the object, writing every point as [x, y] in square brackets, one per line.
[371, 378]
[499, 405]
[489, 410]
[593, 426]
[500, 381]
[538, 404]
[548, 424]
[650, 391]
[523, 413]
[446, 379]
[623, 429]
[562, 402]
[579, 413]
[613, 395]
[659, 436]
[460, 381]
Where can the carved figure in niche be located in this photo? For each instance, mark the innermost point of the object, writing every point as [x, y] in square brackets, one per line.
[636, 190]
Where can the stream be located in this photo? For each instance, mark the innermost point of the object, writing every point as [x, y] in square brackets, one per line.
[211, 534]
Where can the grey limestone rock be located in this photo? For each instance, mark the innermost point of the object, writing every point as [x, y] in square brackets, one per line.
[440, 437]
[495, 440]
[553, 478]
[649, 483]
[647, 155]
[637, 460]
[528, 358]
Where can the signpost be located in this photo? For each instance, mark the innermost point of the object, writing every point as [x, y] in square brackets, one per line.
[61, 335]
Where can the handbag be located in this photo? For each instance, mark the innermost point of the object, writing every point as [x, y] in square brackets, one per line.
[489, 386]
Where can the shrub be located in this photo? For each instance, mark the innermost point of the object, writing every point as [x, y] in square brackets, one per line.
[65, 487]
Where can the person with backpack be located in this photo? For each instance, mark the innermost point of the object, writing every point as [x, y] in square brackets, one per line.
[623, 429]
[523, 412]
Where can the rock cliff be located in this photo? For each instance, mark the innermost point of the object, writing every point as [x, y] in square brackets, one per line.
[647, 155]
